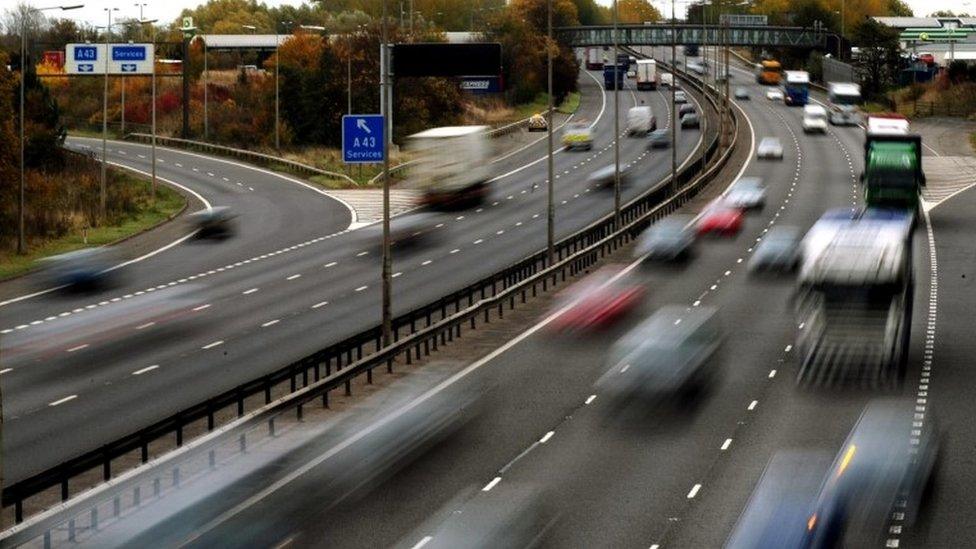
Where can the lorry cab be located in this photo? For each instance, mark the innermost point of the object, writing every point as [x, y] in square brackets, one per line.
[814, 119]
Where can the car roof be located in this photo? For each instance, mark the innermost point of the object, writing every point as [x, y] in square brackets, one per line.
[769, 139]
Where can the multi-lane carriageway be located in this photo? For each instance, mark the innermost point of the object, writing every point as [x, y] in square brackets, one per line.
[666, 481]
[292, 282]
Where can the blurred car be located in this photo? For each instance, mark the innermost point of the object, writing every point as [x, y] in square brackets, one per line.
[884, 467]
[631, 73]
[685, 109]
[769, 147]
[674, 352]
[597, 301]
[741, 93]
[81, 270]
[659, 139]
[409, 231]
[604, 177]
[774, 94]
[720, 219]
[537, 123]
[748, 193]
[778, 251]
[690, 120]
[667, 240]
[680, 97]
[216, 222]
[578, 135]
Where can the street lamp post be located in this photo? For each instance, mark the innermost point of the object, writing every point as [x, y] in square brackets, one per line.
[153, 154]
[387, 304]
[551, 205]
[674, 117]
[277, 86]
[616, 123]
[102, 187]
[21, 204]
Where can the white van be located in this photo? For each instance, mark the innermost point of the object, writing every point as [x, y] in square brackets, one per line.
[814, 119]
[640, 121]
[666, 79]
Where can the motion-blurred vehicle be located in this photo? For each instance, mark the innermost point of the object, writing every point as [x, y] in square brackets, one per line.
[843, 99]
[578, 135]
[604, 177]
[669, 239]
[666, 80]
[640, 120]
[647, 76]
[659, 139]
[883, 467]
[690, 120]
[685, 109]
[893, 176]
[769, 148]
[776, 515]
[769, 72]
[778, 251]
[741, 93]
[814, 119]
[610, 71]
[720, 219]
[748, 193]
[796, 88]
[597, 301]
[451, 167]
[680, 97]
[774, 94]
[82, 270]
[537, 123]
[216, 222]
[854, 299]
[674, 352]
[407, 231]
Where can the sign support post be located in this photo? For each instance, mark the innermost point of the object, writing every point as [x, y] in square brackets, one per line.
[387, 259]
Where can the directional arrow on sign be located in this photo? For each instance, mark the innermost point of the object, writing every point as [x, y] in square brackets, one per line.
[128, 67]
[361, 124]
[86, 68]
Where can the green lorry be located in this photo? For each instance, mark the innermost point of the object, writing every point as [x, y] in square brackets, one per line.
[893, 175]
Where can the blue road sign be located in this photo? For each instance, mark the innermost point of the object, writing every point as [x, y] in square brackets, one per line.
[362, 138]
[86, 53]
[128, 53]
[86, 67]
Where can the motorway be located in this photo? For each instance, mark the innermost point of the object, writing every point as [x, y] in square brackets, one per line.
[291, 283]
[676, 479]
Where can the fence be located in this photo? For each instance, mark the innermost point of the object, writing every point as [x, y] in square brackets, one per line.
[935, 108]
[415, 334]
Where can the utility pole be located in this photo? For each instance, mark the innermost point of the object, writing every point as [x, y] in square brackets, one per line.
[387, 112]
[102, 187]
[153, 154]
[616, 123]
[674, 116]
[206, 96]
[277, 84]
[550, 187]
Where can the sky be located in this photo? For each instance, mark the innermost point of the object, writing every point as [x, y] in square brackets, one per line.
[168, 10]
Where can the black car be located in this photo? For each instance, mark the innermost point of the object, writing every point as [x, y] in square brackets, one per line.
[690, 120]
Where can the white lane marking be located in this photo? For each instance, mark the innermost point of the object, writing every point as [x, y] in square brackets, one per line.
[590, 399]
[361, 288]
[5, 370]
[249, 292]
[772, 374]
[144, 326]
[726, 444]
[212, 345]
[270, 323]
[694, 491]
[479, 241]
[423, 541]
[396, 274]
[456, 250]
[361, 254]
[146, 369]
[545, 438]
[426, 262]
[63, 400]
[788, 349]
[752, 405]
[294, 276]
[78, 348]
[491, 484]
[320, 304]
[202, 307]
[331, 264]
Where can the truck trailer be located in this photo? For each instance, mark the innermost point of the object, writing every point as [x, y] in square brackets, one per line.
[451, 166]
[611, 71]
[646, 74]
[893, 175]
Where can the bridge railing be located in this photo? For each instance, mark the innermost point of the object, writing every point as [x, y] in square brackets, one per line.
[335, 367]
[710, 35]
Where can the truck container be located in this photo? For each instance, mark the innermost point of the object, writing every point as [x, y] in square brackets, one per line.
[646, 74]
[594, 58]
[609, 71]
[451, 166]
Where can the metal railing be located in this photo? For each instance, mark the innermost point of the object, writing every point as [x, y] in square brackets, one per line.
[415, 334]
[256, 157]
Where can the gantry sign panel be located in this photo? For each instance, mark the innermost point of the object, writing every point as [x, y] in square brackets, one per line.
[660, 35]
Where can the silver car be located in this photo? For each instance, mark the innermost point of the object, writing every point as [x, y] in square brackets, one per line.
[778, 251]
[604, 177]
[680, 97]
[667, 240]
[770, 148]
[774, 94]
[748, 193]
[741, 93]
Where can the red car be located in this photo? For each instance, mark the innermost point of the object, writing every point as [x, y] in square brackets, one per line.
[720, 219]
[596, 301]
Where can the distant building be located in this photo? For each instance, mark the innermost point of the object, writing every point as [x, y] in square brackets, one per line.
[943, 52]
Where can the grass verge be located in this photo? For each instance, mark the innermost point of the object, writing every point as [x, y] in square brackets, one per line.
[168, 203]
[972, 141]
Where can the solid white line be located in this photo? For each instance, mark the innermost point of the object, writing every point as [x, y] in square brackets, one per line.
[146, 369]
[212, 345]
[422, 542]
[361, 288]
[249, 292]
[726, 444]
[320, 304]
[331, 264]
[491, 484]
[63, 400]
[427, 262]
[78, 348]
[270, 323]
[694, 491]
[546, 437]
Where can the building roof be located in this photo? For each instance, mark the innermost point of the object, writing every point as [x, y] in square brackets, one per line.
[242, 41]
[908, 22]
[961, 56]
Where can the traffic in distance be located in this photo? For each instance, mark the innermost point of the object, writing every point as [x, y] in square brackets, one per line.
[660, 357]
